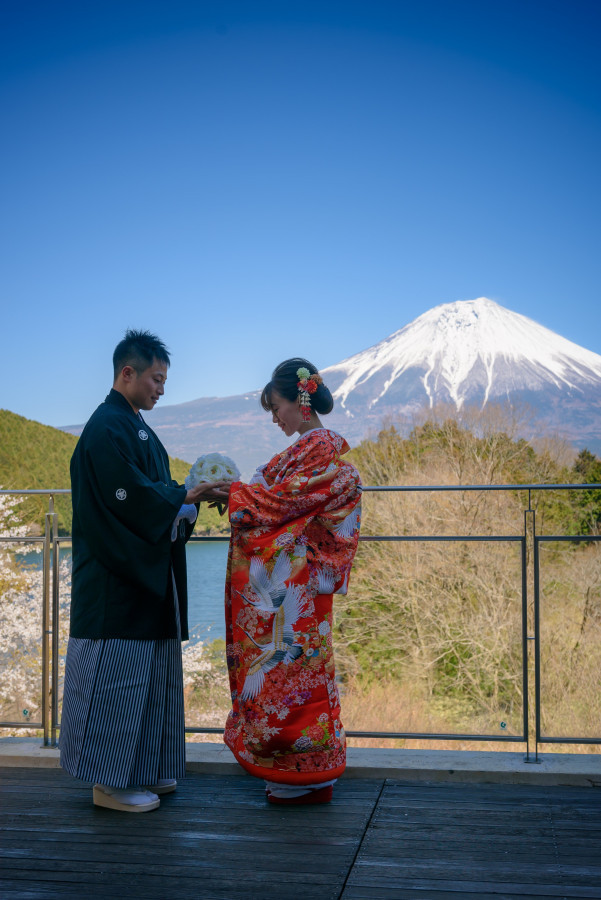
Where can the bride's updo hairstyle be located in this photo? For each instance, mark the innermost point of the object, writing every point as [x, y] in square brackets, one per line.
[284, 380]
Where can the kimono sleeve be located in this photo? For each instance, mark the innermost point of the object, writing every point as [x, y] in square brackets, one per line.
[314, 485]
[145, 507]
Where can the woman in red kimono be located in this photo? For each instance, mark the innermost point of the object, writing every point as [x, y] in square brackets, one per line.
[295, 529]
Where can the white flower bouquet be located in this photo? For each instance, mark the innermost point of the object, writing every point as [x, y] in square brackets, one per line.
[212, 467]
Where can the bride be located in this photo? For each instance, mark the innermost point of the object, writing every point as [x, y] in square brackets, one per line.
[295, 529]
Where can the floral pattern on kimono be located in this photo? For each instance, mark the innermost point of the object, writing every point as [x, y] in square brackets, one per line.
[295, 530]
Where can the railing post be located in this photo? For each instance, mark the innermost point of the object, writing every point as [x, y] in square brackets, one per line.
[46, 630]
[50, 627]
[531, 681]
[54, 628]
[537, 645]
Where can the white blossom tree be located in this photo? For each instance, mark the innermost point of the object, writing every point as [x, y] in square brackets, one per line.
[21, 599]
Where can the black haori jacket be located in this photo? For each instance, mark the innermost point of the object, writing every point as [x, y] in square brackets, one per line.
[124, 505]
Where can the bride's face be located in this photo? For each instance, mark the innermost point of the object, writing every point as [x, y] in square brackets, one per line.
[287, 414]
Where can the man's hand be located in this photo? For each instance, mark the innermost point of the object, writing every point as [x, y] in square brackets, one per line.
[213, 491]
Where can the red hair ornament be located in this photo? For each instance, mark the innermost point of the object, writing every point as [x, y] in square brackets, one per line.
[307, 385]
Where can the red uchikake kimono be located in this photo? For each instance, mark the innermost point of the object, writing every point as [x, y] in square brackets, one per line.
[295, 530]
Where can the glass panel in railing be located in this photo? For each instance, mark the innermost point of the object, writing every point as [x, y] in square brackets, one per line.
[570, 633]
[64, 595]
[21, 603]
[443, 512]
[429, 639]
[206, 690]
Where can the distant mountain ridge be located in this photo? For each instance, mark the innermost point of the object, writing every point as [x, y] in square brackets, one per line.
[465, 353]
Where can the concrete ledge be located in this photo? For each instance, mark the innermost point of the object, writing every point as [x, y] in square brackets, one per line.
[24, 751]
[475, 766]
[403, 765]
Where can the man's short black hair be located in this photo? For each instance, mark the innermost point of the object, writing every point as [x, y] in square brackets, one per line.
[139, 349]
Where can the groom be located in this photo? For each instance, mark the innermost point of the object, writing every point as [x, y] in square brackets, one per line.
[123, 713]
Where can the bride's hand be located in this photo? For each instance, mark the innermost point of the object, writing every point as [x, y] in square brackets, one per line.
[213, 491]
[221, 501]
[220, 493]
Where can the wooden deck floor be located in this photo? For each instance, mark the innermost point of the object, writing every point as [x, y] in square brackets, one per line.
[217, 837]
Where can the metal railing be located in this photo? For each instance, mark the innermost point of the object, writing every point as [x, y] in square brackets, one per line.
[529, 545]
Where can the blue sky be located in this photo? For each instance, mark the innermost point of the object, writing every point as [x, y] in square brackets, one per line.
[258, 180]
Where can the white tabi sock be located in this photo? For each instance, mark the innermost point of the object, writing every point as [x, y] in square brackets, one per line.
[289, 791]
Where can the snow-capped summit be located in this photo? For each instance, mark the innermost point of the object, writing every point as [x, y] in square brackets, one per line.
[469, 351]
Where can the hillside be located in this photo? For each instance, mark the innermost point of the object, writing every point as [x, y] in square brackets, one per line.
[36, 456]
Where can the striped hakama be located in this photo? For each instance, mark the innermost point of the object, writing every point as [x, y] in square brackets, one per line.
[123, 711]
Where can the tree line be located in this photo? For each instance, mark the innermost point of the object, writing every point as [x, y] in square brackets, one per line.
[439, 621]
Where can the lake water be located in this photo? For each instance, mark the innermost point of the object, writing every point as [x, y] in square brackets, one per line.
[207, 562]
[206, 582]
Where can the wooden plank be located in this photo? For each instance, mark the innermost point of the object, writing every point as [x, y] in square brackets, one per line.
[230, 833]
[202, 856]
[394, 892]
[159, 888]
[473, 870]
[163, 890]
[387, 886]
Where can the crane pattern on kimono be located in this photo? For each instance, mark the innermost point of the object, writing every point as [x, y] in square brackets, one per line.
[281, 648]
[270, 589]
[347, 527]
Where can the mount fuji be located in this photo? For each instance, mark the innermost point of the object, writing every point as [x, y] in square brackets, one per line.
[463, 354]
[471, 353]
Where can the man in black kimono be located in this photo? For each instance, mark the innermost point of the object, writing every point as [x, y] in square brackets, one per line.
[123, 714]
